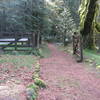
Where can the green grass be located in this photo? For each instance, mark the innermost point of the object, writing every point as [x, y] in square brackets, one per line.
[42, 52]
[45, 51]
[18, 61]
[24, 58]
[19, 48]
[92, 55]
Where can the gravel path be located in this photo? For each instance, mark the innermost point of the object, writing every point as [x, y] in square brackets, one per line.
[67, 79]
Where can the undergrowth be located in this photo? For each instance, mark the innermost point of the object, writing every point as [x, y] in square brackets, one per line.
[92, 55]
[43, 51]
[19, 61]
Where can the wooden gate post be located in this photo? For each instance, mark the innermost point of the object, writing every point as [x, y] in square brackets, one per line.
[78, 46]
[15, 41]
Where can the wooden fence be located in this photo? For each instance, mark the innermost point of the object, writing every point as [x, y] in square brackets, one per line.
[16, 40]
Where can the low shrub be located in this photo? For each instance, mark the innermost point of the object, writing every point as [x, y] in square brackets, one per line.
[40, 83]
[32, 92]
[37, 52]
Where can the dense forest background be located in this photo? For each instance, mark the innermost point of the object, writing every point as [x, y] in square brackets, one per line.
[56, 19]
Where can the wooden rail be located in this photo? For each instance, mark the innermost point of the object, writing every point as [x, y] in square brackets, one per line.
[15, 39]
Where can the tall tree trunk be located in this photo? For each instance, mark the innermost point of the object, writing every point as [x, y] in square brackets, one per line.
[36, 36]
[87, 32]
[33, 40]
[38, 39]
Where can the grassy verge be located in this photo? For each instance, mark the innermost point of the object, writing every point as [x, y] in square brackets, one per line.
[24, 58]
[43, 51]
[92, 56]
[18, 61]
[67, 48]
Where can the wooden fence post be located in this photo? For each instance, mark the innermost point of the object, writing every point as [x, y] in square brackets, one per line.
[15, 41]
[78, 47]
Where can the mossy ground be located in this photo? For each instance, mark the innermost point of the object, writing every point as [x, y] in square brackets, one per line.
[93, 55]
[38, 83]
[45, 51]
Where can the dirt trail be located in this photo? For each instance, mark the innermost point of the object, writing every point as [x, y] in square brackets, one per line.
[67, 79]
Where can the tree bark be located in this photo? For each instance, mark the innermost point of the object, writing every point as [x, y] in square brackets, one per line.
[38, 40]
[36, 36]
[33, 40]
[87, 32]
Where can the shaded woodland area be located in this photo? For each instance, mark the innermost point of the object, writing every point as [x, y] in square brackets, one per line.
[37, 17]
[50, 19]
[21, 19]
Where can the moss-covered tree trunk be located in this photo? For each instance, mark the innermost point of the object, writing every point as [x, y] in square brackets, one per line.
[87, 31]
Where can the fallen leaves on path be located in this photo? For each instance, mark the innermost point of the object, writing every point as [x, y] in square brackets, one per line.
[67, 79]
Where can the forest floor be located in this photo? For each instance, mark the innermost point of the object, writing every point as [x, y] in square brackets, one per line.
[16, 73]
[66, 79]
